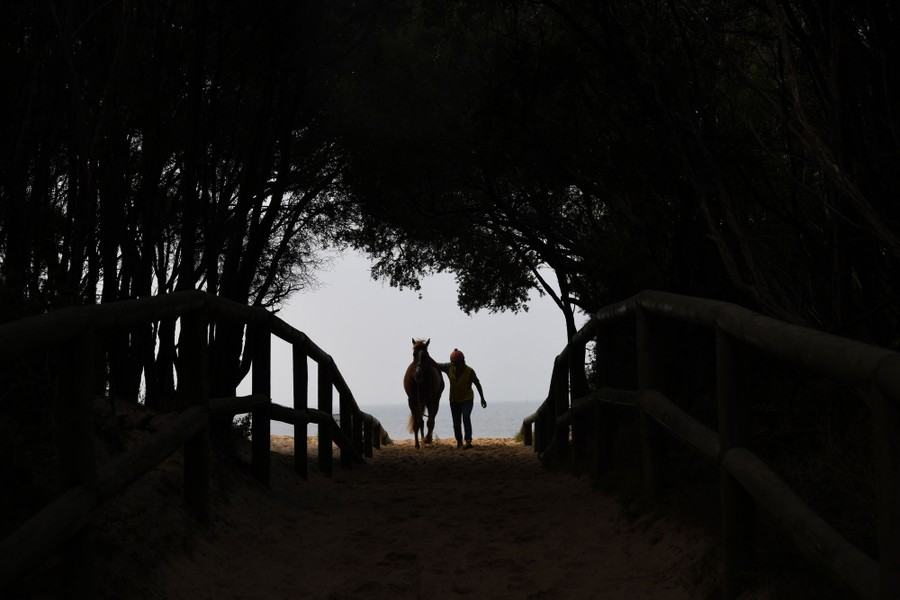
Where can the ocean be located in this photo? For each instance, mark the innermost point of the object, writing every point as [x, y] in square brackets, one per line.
[498, 420]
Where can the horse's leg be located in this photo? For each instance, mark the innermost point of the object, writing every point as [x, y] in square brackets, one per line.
[420, 410]
[434, 402]
[422, 426]
[431, 411]
[419, 426]
[415, 421]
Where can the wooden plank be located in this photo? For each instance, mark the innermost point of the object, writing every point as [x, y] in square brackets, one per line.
[681, 425]
[610, 397]
[298, 416]
[649, 378]
[300, 371]
[851, 568]
[43, 534]
[52, 329]
[260, 424]
[345, 409]
[617, 398]
[378, 434]
[75, 413]
[75, 444]
[234, 405]
[582, 425]
[325, 401]
[298, 339]
[840, 358]
[738, 509]
[560, 383]
[613, 313]
[602, 404]
[368, 443]
[60, 326]
[229, 310]
[193, 388]
[607, 400]
[359, 418]
[116, 474]
[294, 416]
[527, 428]
[126, 314]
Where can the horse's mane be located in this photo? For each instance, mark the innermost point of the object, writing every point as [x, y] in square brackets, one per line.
[418, 342]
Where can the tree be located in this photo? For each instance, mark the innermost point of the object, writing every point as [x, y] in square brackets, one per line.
[511, 157]
[158, 146]
[724, 149]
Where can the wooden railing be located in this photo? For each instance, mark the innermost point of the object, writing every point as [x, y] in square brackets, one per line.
[573, 419]
[65, 524]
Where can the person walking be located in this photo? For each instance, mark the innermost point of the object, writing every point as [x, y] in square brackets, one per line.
[462, 399]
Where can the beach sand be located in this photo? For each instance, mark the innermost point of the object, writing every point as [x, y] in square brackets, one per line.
[489, 522]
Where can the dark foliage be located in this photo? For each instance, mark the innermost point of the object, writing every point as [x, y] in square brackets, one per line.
[739, 150]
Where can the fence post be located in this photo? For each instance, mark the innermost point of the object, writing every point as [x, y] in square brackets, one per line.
[75, 435]
[738, 507]
[604, 416]
[194, 391]
[886, 433]
[346, 410]
[561, 405]
[583, 424]
[261, 424]
[300, 367]
[358, 442]
[649, 378]
[325, 405]
[377, 432]
[368, 425]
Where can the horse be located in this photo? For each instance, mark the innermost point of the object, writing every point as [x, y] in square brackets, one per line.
[424, 385]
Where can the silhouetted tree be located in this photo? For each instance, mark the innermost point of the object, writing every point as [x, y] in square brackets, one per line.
[733, 149]
[157, 147]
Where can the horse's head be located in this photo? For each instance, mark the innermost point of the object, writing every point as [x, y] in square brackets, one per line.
[420, 357]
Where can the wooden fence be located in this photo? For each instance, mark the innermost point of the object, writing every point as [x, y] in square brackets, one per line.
[573, 418]
[65, 524]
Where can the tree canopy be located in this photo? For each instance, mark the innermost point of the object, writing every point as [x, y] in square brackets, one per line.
[737, 149]
[158, 146]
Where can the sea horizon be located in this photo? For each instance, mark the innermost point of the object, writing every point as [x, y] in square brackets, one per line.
[501, 419]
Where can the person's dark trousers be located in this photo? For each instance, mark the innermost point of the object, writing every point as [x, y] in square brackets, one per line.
[462, 418]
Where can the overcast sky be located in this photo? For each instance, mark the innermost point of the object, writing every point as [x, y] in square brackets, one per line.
[367, 327]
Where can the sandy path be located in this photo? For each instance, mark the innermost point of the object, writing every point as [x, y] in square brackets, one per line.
[435, 523]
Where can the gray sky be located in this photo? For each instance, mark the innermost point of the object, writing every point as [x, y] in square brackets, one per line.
[367, 327]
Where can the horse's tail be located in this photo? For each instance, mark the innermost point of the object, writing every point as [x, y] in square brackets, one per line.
[411, 424]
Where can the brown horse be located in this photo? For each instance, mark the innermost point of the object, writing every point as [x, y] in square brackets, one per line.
[424, 385]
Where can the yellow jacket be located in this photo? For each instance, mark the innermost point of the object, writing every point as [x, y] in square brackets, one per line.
[461, 381]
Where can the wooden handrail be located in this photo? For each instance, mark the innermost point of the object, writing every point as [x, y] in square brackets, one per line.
[63, 518]
[38, 537]
[868, 367]
[126, 468]
[680, 425]
[812, 535]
